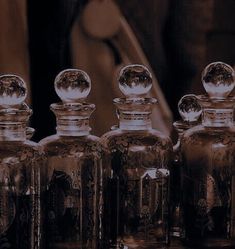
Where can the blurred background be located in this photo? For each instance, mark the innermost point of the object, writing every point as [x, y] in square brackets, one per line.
[176, 39]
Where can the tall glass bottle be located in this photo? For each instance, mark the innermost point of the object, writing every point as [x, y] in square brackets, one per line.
[208, 154]
[74, 169]
[20, 162]
[190, 111]
[136, 189]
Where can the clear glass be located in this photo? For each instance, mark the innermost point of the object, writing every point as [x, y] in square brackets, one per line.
[208, 187]
[20, 194]
[73, 192]
[190, 112]
[136, 185]
[20, 163]
[208, 159]
[136, 189]
[73, 176]
[29, 132]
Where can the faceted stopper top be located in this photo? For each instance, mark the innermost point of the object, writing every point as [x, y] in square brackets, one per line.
[13, 90]
[189, 108]
[218, 80]
[135, 80]
[72, 85]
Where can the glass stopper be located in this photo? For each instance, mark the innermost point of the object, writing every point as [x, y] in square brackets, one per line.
[13, 90]
[72, 85]
[218, 80]
[135, 80]
[189, 108]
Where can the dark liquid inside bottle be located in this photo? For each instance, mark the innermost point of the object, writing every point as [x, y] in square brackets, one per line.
[20, 230]
[137, 195]
[208, 194]
[72, 204]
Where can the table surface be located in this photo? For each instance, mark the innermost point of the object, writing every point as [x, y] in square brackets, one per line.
[176, 244]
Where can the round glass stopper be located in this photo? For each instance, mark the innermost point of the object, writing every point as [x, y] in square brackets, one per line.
[135, 80]
[72, 85]
[13, 90]
[218, 80]
[189, 108]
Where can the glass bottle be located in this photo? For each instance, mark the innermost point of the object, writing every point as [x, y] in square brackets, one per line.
[190, 111]
[208, 156]
[29, 132]
[74, 169]
[20, 162]
[136, 180]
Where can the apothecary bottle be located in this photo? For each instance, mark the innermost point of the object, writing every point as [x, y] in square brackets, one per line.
[190, 112]
[73, 196]
[208, 165]
[20, 162]
[136, 184]
[29, 132]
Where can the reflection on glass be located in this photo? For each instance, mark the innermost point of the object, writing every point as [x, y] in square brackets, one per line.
[73, 196]
[190, 111]
[20, 162]
[137, 178]
[208, 164]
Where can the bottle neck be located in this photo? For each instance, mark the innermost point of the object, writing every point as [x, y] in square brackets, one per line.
[73, 127]
[134, 112]
[134, 121]
[182, 126]
[180, 132]
[12, 131]
[13, 122]
[217, 117]
[73, 119]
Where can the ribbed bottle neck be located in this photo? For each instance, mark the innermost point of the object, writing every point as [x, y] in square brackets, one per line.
[217, 112]
[212, 117]
[12, 131]
[134, 121]
[73, 127]
[134, 113]
[13, 122]
[73, 119]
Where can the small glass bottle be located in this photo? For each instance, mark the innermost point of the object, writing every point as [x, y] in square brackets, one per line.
[73, 175]
[20, 162]
[190, 111]
[29, 132]
[208, 156]
[136, 189]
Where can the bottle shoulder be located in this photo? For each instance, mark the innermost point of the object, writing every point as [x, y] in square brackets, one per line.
[68, 139]
[20, 145]
[137, 149]
[204, 135]
[71, 145]
[20, 149]
[149, 137]
[213, 131]
[48, 139]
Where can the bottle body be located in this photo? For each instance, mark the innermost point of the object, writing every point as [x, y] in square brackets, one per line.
[136, 189]
[73, 193]
[20, 194]
[208, 187]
